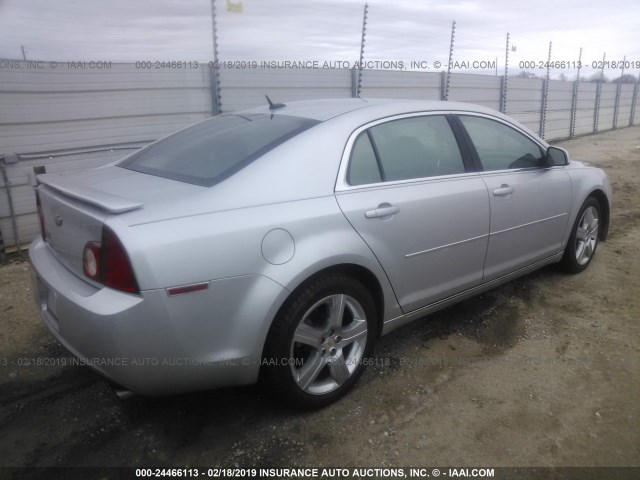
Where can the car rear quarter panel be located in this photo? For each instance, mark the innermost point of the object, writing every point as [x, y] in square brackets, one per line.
[229, 244]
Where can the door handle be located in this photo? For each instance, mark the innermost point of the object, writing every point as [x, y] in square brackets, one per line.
[503, 190]
[383, 210]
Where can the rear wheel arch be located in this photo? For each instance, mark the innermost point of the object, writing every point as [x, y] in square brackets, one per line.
[358, 273]
[310, 326]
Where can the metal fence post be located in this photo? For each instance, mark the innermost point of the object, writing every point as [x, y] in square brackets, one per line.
[453, 34]
[505, 80]
[543, 108]
[214, 73]
[574, 99]
[214, 78]
[443, 85]
[616, 106]
[362, 40]
[596, 110]
[574, 106]
[545, 94]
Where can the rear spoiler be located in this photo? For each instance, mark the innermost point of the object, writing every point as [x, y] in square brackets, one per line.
[92, 196]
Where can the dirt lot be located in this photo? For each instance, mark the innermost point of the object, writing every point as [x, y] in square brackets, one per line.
[543, 371]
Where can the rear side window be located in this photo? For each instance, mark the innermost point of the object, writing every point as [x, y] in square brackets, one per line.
[403, 149]
[210, 151]
[501, 147]
[363, 168]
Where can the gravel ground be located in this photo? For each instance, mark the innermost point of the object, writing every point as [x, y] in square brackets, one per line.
[542, 371]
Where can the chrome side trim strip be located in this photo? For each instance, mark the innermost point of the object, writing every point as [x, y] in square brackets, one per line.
[409, 255]
[422, 252]
[527, 224]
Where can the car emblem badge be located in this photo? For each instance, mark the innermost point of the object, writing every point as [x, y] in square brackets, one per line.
[58, 219]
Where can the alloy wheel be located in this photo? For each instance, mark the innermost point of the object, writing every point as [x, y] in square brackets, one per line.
[587, 235]
[328, 344]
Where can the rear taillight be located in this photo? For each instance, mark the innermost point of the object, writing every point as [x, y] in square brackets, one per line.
[40, 216]
[107, 262]
[116, 268]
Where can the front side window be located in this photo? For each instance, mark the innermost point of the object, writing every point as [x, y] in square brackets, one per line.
[408, 148]
[501, 147]
[210, 151]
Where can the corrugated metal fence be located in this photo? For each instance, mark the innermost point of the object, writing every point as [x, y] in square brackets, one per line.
[70, 118]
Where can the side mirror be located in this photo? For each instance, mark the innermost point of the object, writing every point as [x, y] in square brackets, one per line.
[557, 157]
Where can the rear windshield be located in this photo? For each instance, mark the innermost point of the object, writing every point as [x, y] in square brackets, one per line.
[210, 151]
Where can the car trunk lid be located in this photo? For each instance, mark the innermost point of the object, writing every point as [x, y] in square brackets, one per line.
[97, 198]
[75, 205]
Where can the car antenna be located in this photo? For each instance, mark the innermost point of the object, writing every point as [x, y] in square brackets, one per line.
[273, 106]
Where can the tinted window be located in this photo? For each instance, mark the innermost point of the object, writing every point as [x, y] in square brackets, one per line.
[501, 147]
[211, 151]
[413, 147]
[363, 167]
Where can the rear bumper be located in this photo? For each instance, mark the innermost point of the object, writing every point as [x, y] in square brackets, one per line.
[154, 344]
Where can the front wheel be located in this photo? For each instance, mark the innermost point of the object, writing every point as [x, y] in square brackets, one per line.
[317, 347]
[584, 238]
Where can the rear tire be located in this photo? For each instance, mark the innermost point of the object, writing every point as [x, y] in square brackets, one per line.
[583, 241]
[318, 345]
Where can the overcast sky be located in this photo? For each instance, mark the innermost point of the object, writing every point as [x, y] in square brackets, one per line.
[132, 30]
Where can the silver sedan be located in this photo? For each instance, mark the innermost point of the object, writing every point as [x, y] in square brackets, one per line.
[279, 243]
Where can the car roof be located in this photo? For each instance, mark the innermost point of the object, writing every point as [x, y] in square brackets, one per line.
[361, 110]
[325, 109]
